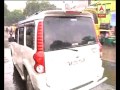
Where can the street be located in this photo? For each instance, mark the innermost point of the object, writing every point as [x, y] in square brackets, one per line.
[59, 45]
[12, 81]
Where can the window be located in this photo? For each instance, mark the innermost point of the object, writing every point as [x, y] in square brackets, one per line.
[65, 32]
[21, 35]
[30, 30]
[16, 35]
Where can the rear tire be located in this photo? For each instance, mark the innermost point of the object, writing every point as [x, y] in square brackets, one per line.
[29, 85]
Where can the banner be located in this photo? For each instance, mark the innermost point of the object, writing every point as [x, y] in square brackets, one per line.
[101, 11]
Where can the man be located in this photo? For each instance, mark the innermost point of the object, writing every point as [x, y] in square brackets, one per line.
[6, 30]
[11, 32]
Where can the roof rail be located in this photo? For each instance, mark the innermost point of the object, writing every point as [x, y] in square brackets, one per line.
[34, 14]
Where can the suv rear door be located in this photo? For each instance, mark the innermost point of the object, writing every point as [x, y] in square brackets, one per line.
[71, 51]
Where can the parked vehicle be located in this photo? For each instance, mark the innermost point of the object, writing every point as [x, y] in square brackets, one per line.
[94, 12]
[58, 50]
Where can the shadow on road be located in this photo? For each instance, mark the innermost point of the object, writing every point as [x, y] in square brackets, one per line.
[110, 72]
[17, 81]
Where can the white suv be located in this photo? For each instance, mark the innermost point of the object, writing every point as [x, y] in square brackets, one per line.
[58, 50]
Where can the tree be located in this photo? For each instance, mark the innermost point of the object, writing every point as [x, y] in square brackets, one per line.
[31, 8]
[34, 6]
[46, 6]
[6, 11]
[14, 17]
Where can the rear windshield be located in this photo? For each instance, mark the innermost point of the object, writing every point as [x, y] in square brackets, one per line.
[68, 32]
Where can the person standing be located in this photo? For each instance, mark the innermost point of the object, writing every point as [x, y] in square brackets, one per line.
[11, 32]
[6, 29]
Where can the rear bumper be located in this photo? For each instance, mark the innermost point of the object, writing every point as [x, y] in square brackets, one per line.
[82, 87]
[91, 85]
[40, 83]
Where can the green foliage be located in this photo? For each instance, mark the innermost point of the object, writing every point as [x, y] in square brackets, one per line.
[31, 7]
[6, 11]
[34, 6]
[46, 6]
[14, 17]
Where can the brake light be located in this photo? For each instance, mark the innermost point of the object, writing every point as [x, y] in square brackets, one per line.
[39, 55]
[39, 62]
[73, 12]
[40, 37]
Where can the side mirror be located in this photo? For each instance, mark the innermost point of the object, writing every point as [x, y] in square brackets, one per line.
[11, 39]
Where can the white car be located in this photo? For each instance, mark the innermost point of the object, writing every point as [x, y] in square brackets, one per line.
[58, 50]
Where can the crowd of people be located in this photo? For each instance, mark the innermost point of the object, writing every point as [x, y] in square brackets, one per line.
[10, 31]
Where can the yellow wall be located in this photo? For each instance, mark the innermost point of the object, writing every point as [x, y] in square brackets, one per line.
[111, 6]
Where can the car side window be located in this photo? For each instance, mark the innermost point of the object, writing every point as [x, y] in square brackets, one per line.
[21, 35]
[30, 36]
[16, 35]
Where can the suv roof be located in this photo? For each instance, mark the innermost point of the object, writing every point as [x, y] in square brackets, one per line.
[42, 14]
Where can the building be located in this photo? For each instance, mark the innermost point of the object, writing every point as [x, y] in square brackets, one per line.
[110, 7]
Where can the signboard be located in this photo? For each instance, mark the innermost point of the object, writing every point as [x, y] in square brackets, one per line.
[101, 11]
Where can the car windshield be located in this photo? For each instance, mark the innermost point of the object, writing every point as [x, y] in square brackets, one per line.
[68, 32]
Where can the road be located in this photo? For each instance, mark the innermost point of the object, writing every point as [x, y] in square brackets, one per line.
[12, 80]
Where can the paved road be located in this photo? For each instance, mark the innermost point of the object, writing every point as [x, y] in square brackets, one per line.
[12, 81]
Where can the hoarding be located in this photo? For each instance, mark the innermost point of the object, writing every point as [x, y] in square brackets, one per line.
[101, 11]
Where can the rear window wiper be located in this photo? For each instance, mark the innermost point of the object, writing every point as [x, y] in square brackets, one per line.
[71, 49]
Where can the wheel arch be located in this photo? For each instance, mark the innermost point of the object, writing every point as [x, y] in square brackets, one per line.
[25, 72]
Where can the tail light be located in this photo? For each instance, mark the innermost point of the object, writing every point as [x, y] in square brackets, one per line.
[39, 62]
[39, 55]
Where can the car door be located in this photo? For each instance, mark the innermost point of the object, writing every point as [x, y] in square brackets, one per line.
[19, 47]
[16, 48]
[28, 48]
[71, 53]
